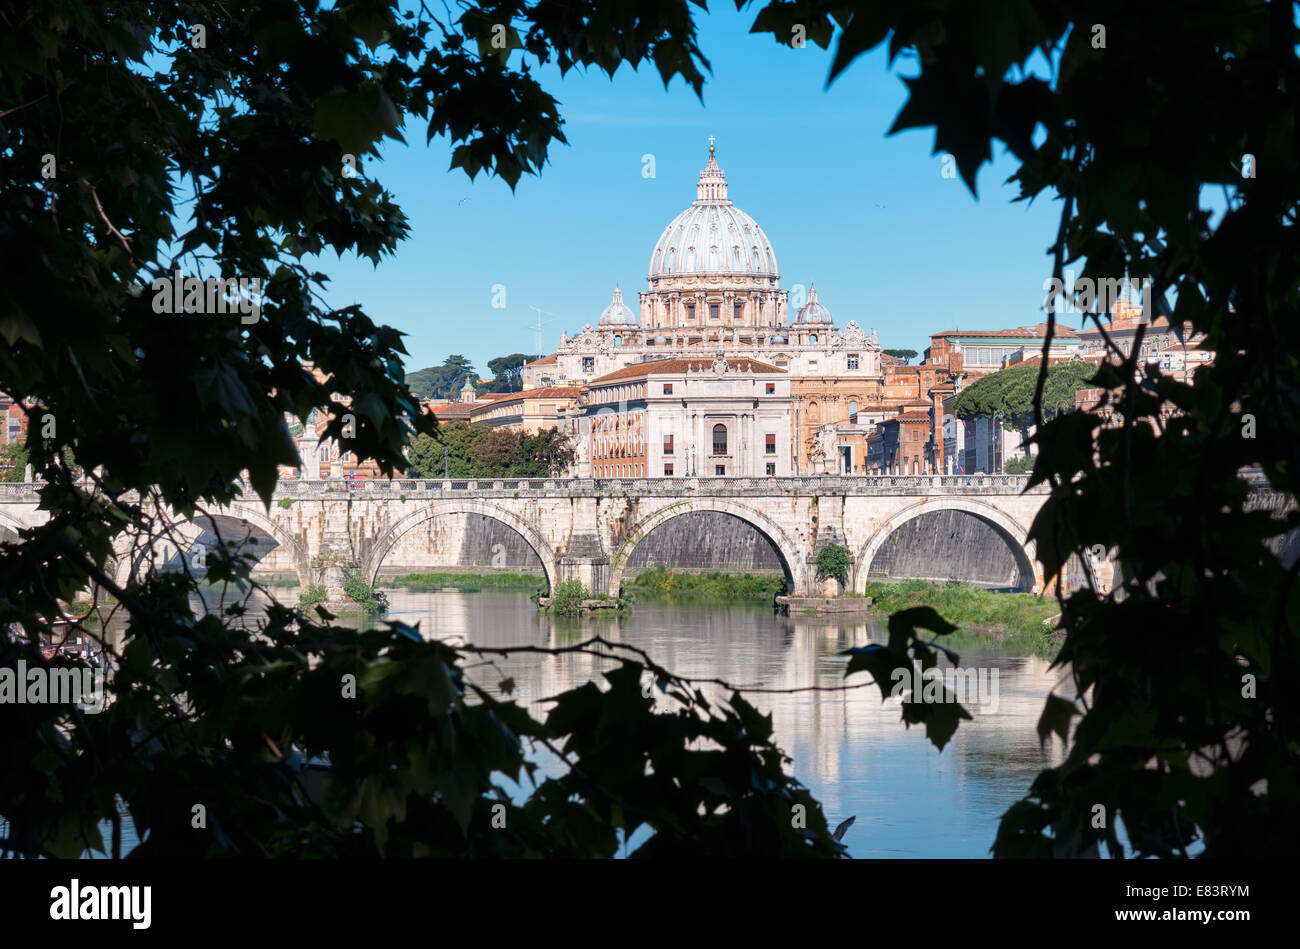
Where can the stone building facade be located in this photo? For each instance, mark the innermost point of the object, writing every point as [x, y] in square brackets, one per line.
[529, 411]
[712, 287]
[685, 417]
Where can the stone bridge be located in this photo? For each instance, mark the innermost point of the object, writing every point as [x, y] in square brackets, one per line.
[590, 529]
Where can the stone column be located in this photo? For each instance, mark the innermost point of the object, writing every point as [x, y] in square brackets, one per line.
[743, 454]
[309, 449]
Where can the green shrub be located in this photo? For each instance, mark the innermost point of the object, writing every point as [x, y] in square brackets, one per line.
[1021, 464]
[1013, 622]
[833, 563]
[315, 593]
[568, 596]
[370, 600]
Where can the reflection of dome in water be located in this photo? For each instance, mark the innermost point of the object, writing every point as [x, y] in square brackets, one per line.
[713, 236]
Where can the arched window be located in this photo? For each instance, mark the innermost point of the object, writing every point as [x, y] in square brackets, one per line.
[719, 439]
[853, 411]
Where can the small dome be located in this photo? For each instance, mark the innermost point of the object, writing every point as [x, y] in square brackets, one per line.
[617, 313]
[812, 311]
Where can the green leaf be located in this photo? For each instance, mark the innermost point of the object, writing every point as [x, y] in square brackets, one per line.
[356, 120]
[1056, 716]
[940, 718]
[904, 623]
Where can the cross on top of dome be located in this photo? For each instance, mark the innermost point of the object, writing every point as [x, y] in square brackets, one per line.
[712, 188]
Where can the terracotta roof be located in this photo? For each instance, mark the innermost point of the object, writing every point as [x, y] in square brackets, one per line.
[453, 410]
[549, 392]
[544, 361]
[1123, 325]
[1019, 332]
[681, 364]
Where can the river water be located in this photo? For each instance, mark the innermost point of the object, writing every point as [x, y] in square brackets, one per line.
[849, 748]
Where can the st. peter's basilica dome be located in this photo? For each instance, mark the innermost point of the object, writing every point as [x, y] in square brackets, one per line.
[713, 236]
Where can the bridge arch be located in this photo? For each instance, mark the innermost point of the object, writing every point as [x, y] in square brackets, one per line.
[10, 525]
[1012, 532]
[788, 550]
[388, 538]
[128, 557]
[255, 516]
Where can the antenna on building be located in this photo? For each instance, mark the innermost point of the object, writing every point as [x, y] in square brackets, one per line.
[540, 324]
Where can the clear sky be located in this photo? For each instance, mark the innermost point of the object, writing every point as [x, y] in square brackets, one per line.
[888, 241]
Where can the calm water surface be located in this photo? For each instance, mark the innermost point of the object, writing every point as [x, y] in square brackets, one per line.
[850, 749]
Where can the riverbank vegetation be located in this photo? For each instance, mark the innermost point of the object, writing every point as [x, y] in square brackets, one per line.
[714, 585]
[468, 582]
[1011, 622]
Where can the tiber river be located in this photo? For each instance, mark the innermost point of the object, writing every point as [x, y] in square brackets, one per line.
[850, 749]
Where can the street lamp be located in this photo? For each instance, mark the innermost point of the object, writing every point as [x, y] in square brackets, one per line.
[446, 465]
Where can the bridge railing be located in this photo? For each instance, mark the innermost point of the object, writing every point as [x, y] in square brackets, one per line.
[415, 488]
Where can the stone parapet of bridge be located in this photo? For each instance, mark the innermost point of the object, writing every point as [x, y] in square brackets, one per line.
[589, 529]
[911, 485]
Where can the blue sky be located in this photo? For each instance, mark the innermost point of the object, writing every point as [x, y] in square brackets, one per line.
[812, 165]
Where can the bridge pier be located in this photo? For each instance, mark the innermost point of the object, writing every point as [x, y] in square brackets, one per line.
[332, 577]
[586, 560]
[829, 534]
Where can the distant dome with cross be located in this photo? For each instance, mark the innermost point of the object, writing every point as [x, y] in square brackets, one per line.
[617, 313]
[813, 311]
[713, 236]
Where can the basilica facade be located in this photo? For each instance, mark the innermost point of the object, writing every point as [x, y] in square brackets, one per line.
[713, 292]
